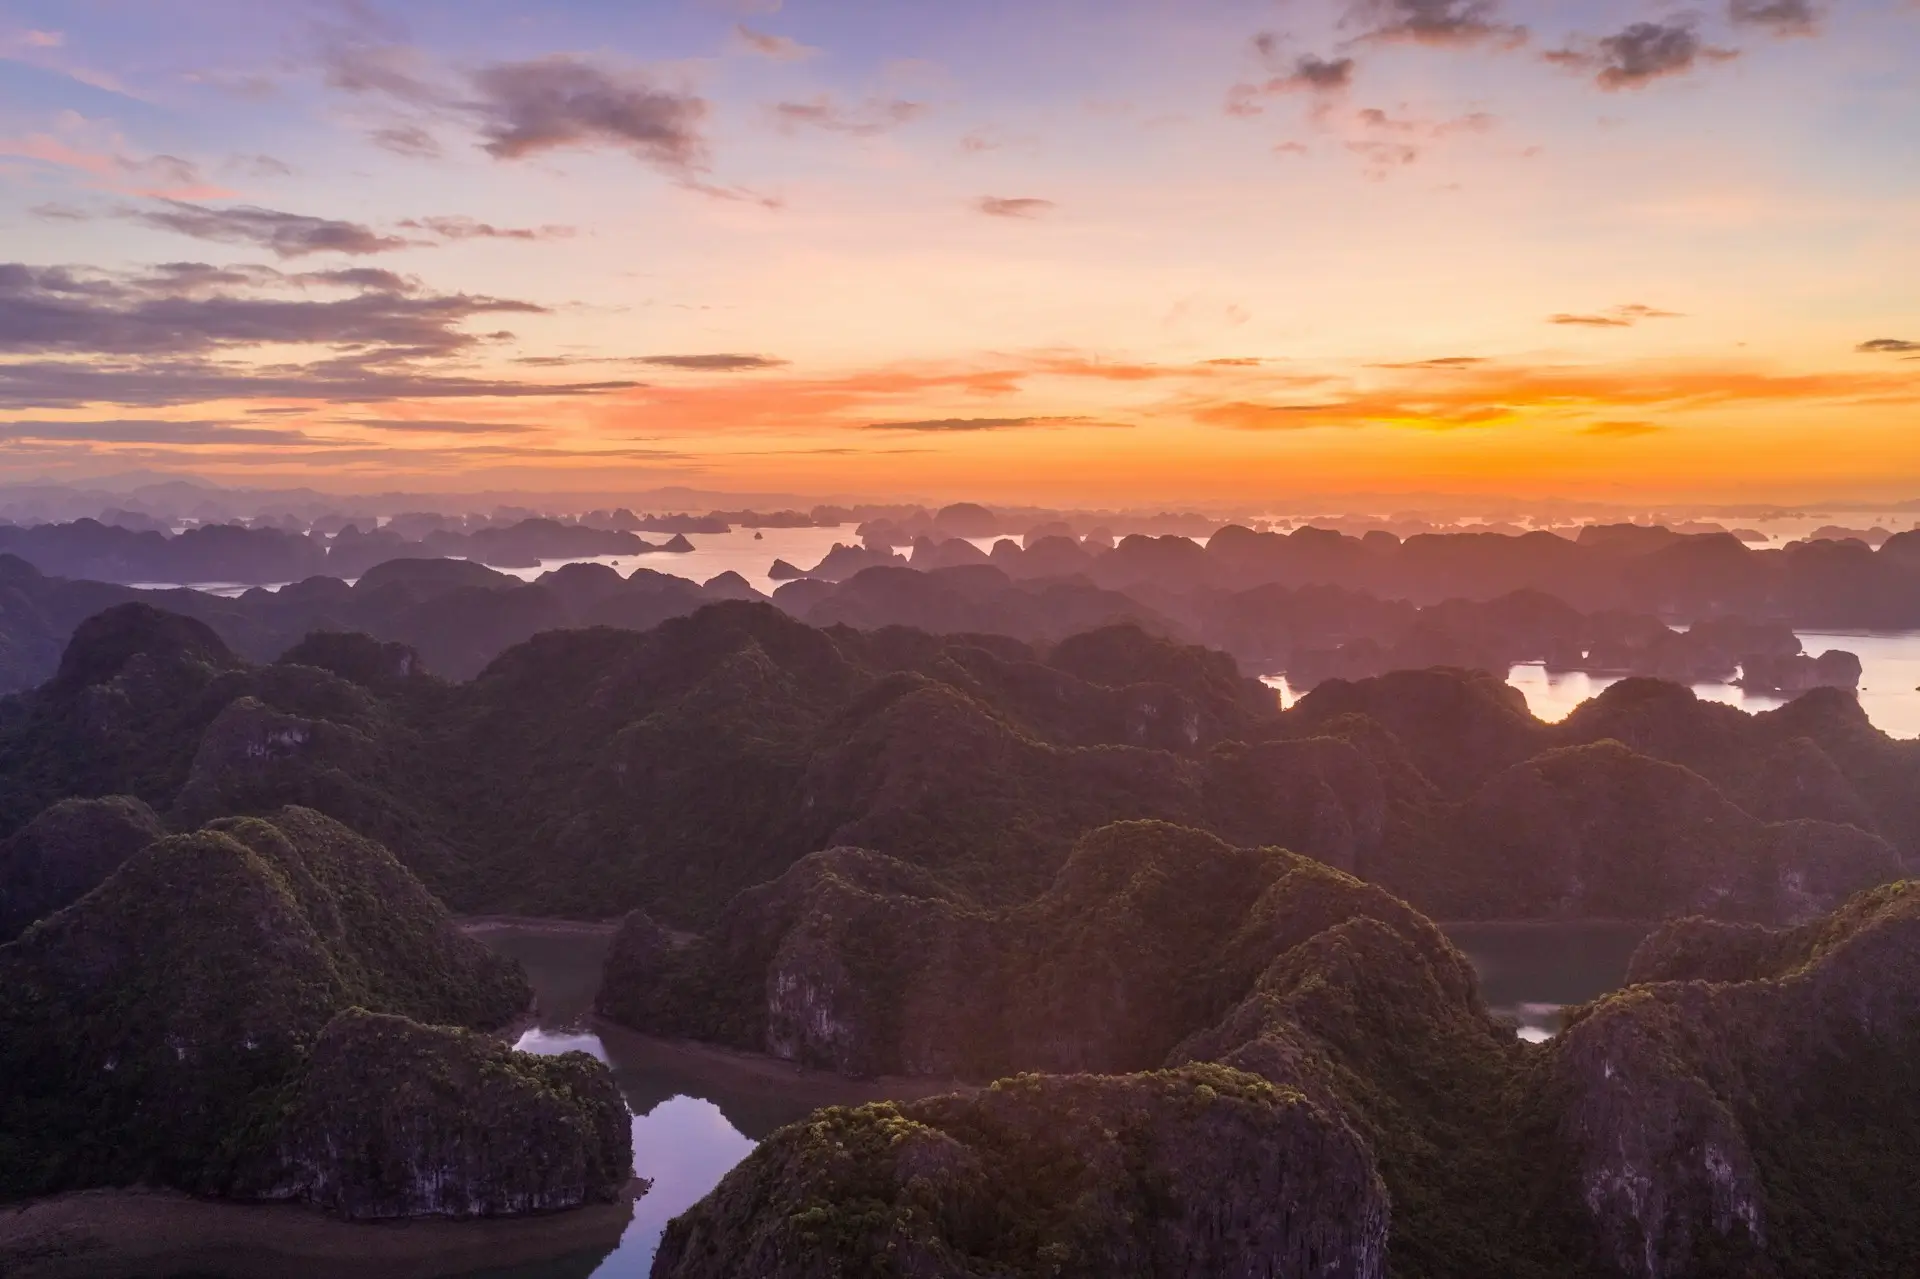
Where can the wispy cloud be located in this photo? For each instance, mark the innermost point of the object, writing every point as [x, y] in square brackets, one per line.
[767, 45]
[718, 362]
[457, 227]
[523, 108]
[1309, 74]
[864, 119]
[561, 101]
[1498, 393]
[1641, 53]
[176, 334]
[1027, 206]
[147, 431]
[1436, 22]
[1887, 346]
[85, 147]
[962, 425]
[438, 426]
[1781, 17]
[285, 235]
[47, 50]
[409, 140]
[1620, 317]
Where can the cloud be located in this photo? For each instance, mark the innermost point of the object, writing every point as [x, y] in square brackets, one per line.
[465, 228]
[46, 50]
[1887, 346]
[128, 431]
[874, 116]
[560, 101]
[86, 148]
[765, 45]
[285, 235]
[48, 384]
[361, 277]
[1438, 362]
[1642, 53]
[257, 166]
[1501, 394]
[947, 425]
[1321, 75]
[409, 140]
[1435, 22]
[1249, 415]
[357, 65]
[1622, 430]
[1620, 317]
[525, 108]
[60, 213]
[1309, 74]
[1013, 207]
[439, 426]
[714, 363]
[1387, 141]
[1782, 17]
[56, 310]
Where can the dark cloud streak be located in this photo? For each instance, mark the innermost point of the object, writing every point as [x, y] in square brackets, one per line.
[525, 108]
[1782, 17]
[1026, 207]
[1641, 53]
[1434, 22]
[285, 235]
[130, 431]
[874, 116]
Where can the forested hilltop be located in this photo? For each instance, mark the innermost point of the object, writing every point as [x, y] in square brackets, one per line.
[1312, 604]
[1259, 1065]
[1109, 857]
[594, 771]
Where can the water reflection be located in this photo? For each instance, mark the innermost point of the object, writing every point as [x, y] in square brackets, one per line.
[1530, 973]
[1889, 683]
[697, 1112]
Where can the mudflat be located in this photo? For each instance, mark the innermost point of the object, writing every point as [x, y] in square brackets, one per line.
[121, 1234]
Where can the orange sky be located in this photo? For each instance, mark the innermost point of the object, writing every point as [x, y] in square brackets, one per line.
[1049, 253]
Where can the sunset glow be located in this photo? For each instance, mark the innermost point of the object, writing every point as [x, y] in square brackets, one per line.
[1061, 252]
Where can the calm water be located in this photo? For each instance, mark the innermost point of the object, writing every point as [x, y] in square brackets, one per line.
[1530, 972]
[717, 553]
[695, 1113]
[1889, 682]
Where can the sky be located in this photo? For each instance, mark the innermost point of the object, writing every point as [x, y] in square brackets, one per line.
[1049, 251]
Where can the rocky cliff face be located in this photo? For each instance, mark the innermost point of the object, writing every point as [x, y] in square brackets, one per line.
[1742, 1112]
[1602, 831]
[150, 1031]
[395, 1119]
[1751, 1111]
[1197, 1171]
[862, 964]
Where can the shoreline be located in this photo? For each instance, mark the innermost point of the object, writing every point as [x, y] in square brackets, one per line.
[473, 925]
[1444, 924]
[631, 1048]
[131, 1234]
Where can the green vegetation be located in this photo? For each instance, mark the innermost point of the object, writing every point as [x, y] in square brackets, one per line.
[967, 856]
[1762, 1124]
[587, 773]
[1202, 1170]
[396, 1119]
[152, 1031]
